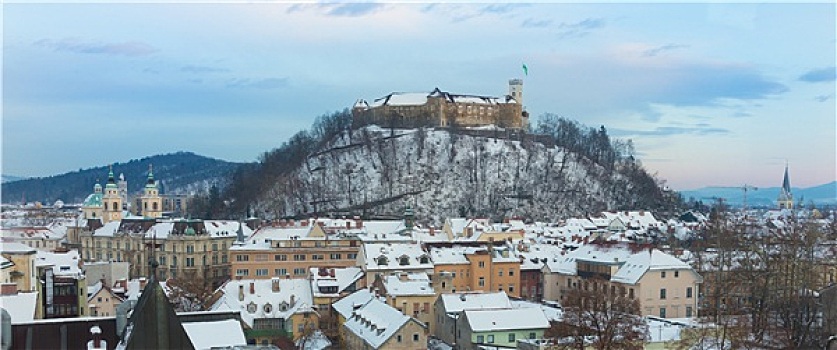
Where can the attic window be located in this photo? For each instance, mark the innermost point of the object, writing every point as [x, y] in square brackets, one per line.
[283, 306]
[65, 268]
[404, 260]
[424, 259]
[251, 307]
[267, 308]
[382, 260]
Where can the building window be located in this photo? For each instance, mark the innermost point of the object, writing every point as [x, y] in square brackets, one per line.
[631, 293]
[242, 272]
[299, 257]
[480, 339]
[662, 293]
[482, 282]
[482, 264]
[511, 337]
[240, 257]
[351, 256]
[261, 257]
[500, 273]
[280, 272]
[261, 272]
[299, 271]
[676, 274]
[190, 262]
[415, 337]
[532, 335]
[688, 292]
[491, 338]
[688, 311]
[404, 260]
[511, 288]
[335, 256]
[280, 257]
[190, 249]
[511, 272]
[317, 257]
[663, 274]
[398, 338]
[663, 312]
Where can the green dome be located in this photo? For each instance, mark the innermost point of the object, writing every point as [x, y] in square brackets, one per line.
[93, 200]
[189, 231]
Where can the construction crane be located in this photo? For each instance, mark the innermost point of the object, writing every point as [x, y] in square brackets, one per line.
[746, 188]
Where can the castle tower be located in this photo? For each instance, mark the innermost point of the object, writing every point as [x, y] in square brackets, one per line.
[152, 203]
[516, 90]
[785, 200]
[111, 200]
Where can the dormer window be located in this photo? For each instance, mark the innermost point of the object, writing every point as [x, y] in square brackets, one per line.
[404, 260]
[424, 259]
[382, 260]
[251, 307]
[283, 306]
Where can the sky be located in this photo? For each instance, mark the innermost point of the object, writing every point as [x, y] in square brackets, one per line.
[711, 94]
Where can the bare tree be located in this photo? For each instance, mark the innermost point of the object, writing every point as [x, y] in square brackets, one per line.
[192, 292]
[609, 320]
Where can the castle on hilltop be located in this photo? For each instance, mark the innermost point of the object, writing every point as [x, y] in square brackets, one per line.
[445, 109]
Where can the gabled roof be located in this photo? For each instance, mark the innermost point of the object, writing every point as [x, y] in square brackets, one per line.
[262, 299]
[506, 319]
[373, 321]
[457, 302]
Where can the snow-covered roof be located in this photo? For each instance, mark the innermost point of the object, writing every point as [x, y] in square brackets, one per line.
[345, 305]
[639, 263]
[552, 313]
[536, 255]
[506, 319]
[457, 302]
[63, 264]
[341, 278]
[408, 283]
[374, 321]
[16, 248]
[21, 306]
[632, 263]
[395, 256]
[274, 298]
[212, 334]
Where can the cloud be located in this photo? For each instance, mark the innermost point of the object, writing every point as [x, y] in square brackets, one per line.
[657, 50]
[824, 98]
[202, 69]
[533, 23]
[581, 28]
[701, 129]
[129, 48]
[267, 83]
[819, 75]
[501, 8]
[351, 9]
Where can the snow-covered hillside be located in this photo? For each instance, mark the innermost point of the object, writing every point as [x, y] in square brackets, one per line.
[440, 173]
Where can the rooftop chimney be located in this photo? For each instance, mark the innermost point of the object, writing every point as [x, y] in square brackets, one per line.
[274, 285]
[331, 273]
[8, 289]
[252, 287]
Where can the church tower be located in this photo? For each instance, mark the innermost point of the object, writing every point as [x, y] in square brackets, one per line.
[111, 200]
[152, 203]
[785, 200]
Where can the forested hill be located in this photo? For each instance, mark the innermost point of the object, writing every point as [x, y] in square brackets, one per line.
[181, 172]
[562, 168]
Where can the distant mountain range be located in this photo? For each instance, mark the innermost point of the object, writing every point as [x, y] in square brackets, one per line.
[176, 173]
[765, 197]
[10, 178]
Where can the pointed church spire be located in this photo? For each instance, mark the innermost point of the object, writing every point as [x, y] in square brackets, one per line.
[786, 181]
[111, 179]
[785, 199]
[150, 174]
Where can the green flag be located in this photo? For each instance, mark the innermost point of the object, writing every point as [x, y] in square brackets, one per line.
[525, 70]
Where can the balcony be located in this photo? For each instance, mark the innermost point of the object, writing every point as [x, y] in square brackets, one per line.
[260, 333]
